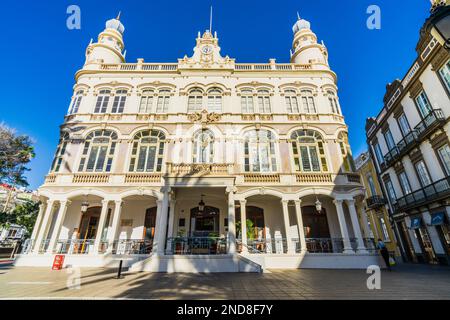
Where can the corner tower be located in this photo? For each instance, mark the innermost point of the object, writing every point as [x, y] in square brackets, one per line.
[109, 47]
[305, 49]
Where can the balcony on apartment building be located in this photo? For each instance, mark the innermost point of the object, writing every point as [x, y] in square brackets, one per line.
[375, 202]
[427, 126]
[433, 192]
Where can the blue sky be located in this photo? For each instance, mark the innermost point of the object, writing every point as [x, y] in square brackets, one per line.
[40, 55]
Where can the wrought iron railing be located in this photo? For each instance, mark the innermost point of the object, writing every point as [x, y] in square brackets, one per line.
[196, 245]
[424, 195]
[375, 202]
[264, 246]
[43, 246]
[74, 246]
[27, 246]
[324, 245]
[133, 246]
[435, 117]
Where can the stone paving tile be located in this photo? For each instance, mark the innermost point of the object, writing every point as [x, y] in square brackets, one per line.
[406, 282]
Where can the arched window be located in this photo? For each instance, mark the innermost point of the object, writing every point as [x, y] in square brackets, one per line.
[98, 151]
[215, 100]
[102, 101]
[309, 152]
[309, 105]
[259, 149]
[247, 101]
[291, 101]
[344, 147]
[76, 101]
[203, 151]
[60, 151]
[146, 101]
[119, 101]
[264, 101]
[195, 100]
[162, 105]
[148, 151]
[334, 104]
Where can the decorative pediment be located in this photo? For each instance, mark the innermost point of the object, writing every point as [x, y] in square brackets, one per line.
[204, 117]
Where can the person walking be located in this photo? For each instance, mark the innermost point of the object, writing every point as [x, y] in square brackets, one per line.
[384, 253]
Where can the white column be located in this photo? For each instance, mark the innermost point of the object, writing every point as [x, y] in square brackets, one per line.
[231, 223]
[161, 227]
[171, 219]
[115, 224]
[290, 247]
[244, 225]
[44, 225]
[343, 226]
[356, 228]
[58, 224]
[101, 226]
[38, 221]
[301, 230]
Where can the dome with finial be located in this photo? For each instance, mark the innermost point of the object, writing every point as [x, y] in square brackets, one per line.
[301, 24]
[115, 24]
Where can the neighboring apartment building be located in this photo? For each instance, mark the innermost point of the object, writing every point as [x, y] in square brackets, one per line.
[157, 162]
[409, 140]
[11, 197]
[376, 211]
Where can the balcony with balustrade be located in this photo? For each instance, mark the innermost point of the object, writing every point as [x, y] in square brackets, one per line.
[375, 202]
[430, 123]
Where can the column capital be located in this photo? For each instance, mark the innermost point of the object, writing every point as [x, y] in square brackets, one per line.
[298, 201]
[338, 201]
[350, 202]
[230, 189]
[64, 202]
[118, 202]
[284, 201]
[243, 202]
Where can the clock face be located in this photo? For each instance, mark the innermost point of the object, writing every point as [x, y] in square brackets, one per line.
[206, 49]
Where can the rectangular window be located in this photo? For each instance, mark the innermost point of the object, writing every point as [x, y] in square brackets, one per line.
[102, 104]
[389, 140]
[445, 74]
[444, 154]
[247, 104]
[423, 173]
[264, 104]
[378, 153]
[292, 104]
[391, 191]
[373, 191]
[146, 105]
[163, 104]
[119, 104]
[384, 230]
[404, 125]
[405, 183]
[424, 104]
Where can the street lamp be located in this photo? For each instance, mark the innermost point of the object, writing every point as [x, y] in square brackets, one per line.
[438, 24]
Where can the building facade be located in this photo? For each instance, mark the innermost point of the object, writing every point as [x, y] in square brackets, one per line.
[203, 165]
[409, 141]
[377, 213]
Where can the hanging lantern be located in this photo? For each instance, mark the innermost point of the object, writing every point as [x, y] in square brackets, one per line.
[318, 206]
[201, 205]
[84, 205]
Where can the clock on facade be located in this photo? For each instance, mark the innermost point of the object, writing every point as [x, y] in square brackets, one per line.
[206, 49]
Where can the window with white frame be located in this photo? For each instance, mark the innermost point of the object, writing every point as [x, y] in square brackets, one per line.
[203, 147]
[264, 101]
[247, 105]
[389, 139]
[384, 229]
[378, 153]
[98, 151]
[404, 124]
[344, 147]
[334, 104]
[423, 104]
[119, 101]
[259, 151]
[147, 151]
[59, 154]
[404, 182]
[390, 191]
[76, 101]
[195, 100]
[214, 100]
[101, 106]
[309, 151]
[444, 155]
[291, 101]
[308, 101]
[445, 74]
[146, 104]
[422, 171]
[162, 105]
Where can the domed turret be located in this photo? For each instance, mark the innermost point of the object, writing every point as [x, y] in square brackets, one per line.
[110, 47]
[305, 49]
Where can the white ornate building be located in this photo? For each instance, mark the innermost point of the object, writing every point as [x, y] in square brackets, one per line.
[159, 163]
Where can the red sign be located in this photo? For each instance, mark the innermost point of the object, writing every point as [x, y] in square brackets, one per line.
[58, 262]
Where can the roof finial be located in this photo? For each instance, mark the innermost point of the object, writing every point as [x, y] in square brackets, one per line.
[118, 16]
[210, 20]
[298, 15]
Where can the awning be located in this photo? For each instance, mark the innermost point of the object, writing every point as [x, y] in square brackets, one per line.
[416, 222]
[437, 218]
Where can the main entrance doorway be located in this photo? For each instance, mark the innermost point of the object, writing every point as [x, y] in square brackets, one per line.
[87, 230]
[317, 232]
[205, 223]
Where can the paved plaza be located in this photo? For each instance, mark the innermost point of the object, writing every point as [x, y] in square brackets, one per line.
[406, 282]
